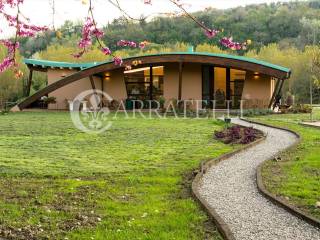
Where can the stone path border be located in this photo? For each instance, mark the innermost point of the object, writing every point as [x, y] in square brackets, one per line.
[310, 124]
[287, 206]
[217, 219]
[213, 215]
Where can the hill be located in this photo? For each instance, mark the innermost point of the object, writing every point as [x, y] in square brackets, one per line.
[281, 23]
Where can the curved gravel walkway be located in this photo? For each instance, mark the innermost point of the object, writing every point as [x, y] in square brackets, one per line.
[230, 188]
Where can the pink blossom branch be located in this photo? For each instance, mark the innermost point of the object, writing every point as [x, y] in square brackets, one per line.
[90, 30]
[23, 29]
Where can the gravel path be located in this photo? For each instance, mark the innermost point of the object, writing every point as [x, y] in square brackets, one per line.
[230, 188]
[315, 124]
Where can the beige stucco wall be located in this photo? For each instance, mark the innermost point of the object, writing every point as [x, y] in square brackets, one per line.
[70, 91]
[171, 81]
[191, 82]
[257, 91]
[115, 86]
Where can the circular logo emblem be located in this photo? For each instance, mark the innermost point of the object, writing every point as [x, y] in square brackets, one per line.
[88, 113]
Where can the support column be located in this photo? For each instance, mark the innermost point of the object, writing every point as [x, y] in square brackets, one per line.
[151, 84]
[92, 83]
[228, 88]
[28, 87]
[228, 84]
[281, 85]
[279, 91]
[102, 90]
[102, 84]
[274, 93]
[180, 81]
[98, 102]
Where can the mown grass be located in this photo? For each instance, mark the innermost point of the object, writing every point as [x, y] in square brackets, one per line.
[296, 178]
[130, 182]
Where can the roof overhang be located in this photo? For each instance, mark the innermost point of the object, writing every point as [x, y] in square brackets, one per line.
[44, 65]
[223, 60]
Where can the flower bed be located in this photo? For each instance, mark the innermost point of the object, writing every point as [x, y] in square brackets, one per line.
[238, 135]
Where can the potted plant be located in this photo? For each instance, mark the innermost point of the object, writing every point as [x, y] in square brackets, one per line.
[162, 102]
[227, 120]
[290, 99]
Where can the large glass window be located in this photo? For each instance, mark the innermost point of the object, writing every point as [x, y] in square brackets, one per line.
[144, 84]
[141, 85]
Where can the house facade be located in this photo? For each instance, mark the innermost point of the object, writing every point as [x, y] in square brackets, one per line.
[180, 76]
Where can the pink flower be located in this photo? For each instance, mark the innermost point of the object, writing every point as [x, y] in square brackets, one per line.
[117, 61]
[98, 33]
[6, 63]
[125, 43]
[10, 45]
[106, 51]
[25, 29]
[211, 33]
[11, 3]
[85, 43]
[142, 45]
[89, 30]
[228, 42]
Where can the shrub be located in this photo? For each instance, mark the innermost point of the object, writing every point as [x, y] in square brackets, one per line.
[290, 99]
[49, 100]
[256, 112]
[300, 108]
[219, 135]
[238, 134]
[235, 132]
[249, 135]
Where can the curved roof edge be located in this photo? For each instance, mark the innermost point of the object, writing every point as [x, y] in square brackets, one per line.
[90, 69]
[55, 64]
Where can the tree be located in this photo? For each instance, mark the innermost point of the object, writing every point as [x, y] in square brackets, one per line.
[11, 85]
[310, 30]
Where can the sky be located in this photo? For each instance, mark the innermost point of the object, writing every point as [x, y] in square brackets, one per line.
[40, 11]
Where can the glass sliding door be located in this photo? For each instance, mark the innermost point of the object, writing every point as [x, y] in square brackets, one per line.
[237, 78]
[222, 84]
[157, 82]
[207, 86]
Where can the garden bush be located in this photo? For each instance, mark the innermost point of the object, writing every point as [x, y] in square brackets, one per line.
[256, 112]
[238, 135]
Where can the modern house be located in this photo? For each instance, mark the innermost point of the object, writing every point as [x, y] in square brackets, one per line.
[180, 76]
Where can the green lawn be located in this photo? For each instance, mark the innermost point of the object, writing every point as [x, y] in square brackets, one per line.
[296, 177]
[130, 182]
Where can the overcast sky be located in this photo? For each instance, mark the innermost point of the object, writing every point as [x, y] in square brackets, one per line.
[39, 11]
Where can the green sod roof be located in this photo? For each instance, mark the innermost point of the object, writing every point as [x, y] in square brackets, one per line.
[53, 64]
